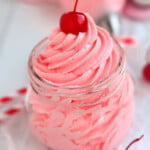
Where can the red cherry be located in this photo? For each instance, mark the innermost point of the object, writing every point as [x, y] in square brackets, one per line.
[73, 22]
[146, 72]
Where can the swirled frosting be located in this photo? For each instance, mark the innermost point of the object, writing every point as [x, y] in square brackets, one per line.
[77, 60]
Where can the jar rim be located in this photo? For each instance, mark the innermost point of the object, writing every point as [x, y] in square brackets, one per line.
[118, 69]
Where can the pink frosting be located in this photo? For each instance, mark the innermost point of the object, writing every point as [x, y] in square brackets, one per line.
[79, 60]
[75, 60]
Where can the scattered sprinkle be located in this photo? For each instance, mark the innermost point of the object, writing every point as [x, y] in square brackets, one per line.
[127, 40]
[5, 99]
[12, 111]
[22, 90]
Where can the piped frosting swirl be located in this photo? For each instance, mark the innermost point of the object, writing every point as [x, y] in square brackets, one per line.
[77, 60]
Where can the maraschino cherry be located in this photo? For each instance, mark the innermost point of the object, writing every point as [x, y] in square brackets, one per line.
[73, 22]
[146, 69]
[146, 72]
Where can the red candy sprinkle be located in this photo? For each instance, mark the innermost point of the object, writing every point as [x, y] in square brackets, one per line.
[146, 72]
[12, 111]
[127, 40]
[74, 22]
[134, 141]
[22, 91]
[6, 99]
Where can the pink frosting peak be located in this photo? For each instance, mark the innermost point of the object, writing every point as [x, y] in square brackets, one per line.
[77, 60]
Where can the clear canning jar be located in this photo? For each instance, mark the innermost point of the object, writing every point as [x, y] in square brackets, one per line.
[93, 117]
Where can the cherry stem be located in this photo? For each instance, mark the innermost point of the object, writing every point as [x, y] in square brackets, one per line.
[134, 141]
[75, 6]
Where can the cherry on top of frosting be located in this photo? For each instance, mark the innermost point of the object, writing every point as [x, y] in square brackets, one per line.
[74, 22]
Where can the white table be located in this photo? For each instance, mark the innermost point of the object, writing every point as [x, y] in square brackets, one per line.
[21, 27]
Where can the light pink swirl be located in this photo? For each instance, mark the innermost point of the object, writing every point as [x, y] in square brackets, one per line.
[77, 60]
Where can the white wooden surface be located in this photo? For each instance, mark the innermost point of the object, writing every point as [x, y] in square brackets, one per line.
[21, 27]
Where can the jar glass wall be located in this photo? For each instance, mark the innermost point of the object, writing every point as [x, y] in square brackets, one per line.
[93, 117]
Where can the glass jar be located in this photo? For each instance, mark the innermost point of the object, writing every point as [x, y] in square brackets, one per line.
[93, 117]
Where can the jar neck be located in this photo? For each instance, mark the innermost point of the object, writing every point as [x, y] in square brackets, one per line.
[108, 86]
